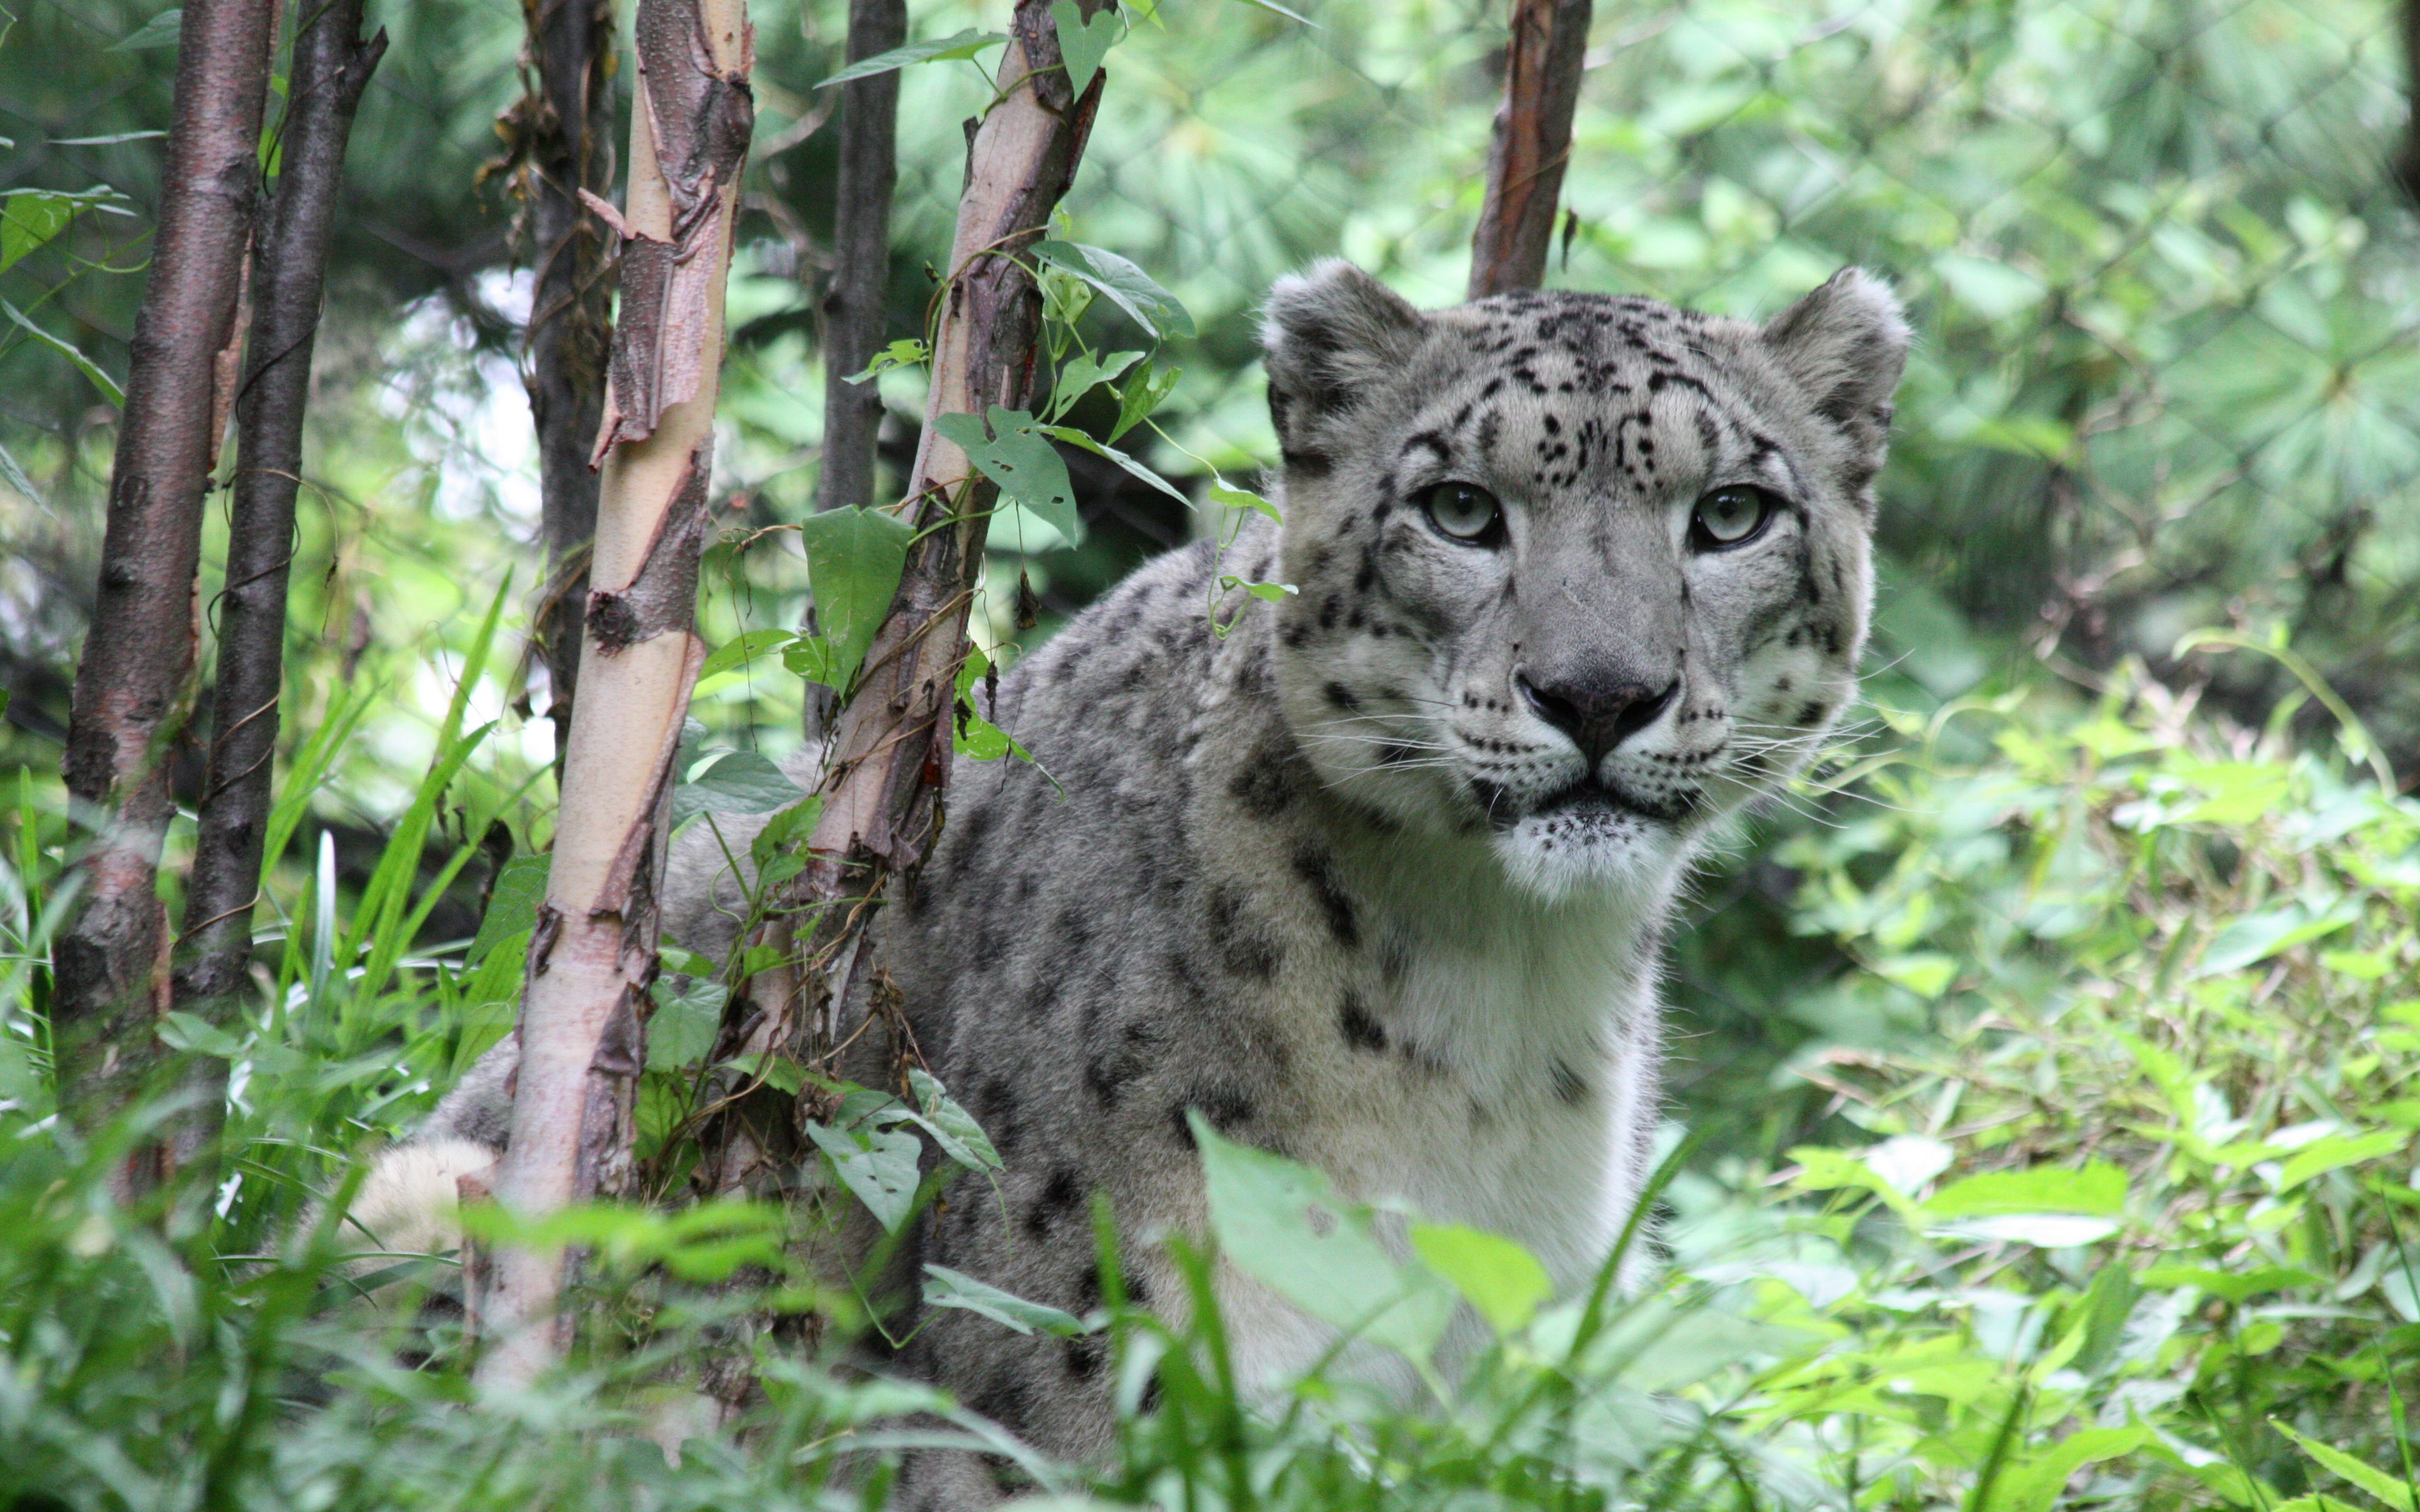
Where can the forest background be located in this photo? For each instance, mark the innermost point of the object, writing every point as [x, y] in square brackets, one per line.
[2081, 896]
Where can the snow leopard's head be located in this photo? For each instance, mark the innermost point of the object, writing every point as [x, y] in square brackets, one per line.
[1579, 573]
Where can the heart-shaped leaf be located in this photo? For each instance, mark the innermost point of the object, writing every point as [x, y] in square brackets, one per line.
[1083, 44]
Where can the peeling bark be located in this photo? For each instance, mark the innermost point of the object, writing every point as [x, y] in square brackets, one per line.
[332, 68]
[882, 791]
[1531, 145]
[854, 301]
[562, 134]
[134, 685]
[593, 955]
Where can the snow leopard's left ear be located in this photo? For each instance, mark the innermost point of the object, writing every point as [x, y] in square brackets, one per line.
[1846, 345]
[1329, 334]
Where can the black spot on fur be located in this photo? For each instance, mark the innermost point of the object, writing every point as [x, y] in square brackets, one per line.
[1224, 1107]
[1085, 1354]
[1360, 1030]
[1315, 868]
[1341, 697]
[1246, 950]
[1061, 1197]
[1813, 713]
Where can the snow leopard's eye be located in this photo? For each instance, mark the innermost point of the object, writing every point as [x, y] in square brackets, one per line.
[1730, 517]
[1463, 511]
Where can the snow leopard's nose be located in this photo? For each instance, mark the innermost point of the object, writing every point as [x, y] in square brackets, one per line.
[1598, 712]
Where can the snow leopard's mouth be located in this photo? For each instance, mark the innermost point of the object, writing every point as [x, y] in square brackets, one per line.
[1595, 798]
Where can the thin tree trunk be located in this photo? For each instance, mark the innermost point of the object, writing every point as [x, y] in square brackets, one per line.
[883, 788]
[134, 685]
[854, 303]
[568, 121]
[593, 955]
[2407, 162]
[332, 68]
[1531, 145]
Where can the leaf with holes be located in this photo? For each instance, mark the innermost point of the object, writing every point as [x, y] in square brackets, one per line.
[1021, 459]
[1133, 468]
[951, 1127]
[877, 1165]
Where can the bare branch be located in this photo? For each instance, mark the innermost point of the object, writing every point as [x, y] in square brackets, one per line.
[1531, 145]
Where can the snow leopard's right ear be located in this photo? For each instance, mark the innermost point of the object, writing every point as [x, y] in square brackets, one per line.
[1330, 333]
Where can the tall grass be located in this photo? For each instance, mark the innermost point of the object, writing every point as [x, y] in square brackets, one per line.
[2115, 1208]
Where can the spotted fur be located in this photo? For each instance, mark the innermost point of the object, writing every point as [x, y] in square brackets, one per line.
[1331, 881]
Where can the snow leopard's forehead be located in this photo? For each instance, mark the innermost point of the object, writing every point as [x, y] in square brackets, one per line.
[1599, 424]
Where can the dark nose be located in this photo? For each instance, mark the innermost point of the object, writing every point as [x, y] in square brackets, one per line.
[1599, 714]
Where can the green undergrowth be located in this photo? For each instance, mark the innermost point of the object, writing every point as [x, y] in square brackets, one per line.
[2108, 1016]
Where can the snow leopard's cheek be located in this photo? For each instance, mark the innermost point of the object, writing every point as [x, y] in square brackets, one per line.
[1785, 640]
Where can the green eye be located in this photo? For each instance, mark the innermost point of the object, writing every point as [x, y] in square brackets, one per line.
[1730, 517]
[1463, 511]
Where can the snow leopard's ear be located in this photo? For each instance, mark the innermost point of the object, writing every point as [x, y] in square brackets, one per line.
[1845, 345]
[1330, 333]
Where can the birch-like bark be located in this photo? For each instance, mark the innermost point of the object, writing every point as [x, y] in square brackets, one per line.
[567, 124]
[133, 686]
[332, 68]
[854, 301]
[883, 788]
[593, 953]
[1531, 145]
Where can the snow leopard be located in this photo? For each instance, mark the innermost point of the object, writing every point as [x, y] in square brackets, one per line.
[1376, 872]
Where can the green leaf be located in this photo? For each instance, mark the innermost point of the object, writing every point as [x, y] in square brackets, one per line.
[1127, 286]
[1282, 1224]
[740, 783]
[1134, 468]
[1266, 592]
[877, 1165]
[2256, 937]
[14, 477]
[964, 44]
[2378, 1483]
[1223, 492]
[854, 558]
[107, 385]
[743, 650]
[188, 1031]
[904, 353]
[161, 30]
[31, 217]
[682, 1031]
[951, 1127]
[2336, 1151]
[1018, 459]
[946, 1287]
[1502, 1281]
[2231, 1286]
[1083, 45]
[512, 905]
[1275, 9]
[2098, 1190]
[1082, 374]
[797, 820]
[1145, 392]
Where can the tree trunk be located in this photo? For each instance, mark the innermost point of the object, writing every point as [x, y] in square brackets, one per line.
[332, 67]
[854, 303]
[593, 955]
[1531, 144]
[882, 790]
[567, 122]
[135, 686]
[2407, 161]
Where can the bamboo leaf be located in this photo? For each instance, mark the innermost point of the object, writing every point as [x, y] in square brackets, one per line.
[964, 44]
[91, 369]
